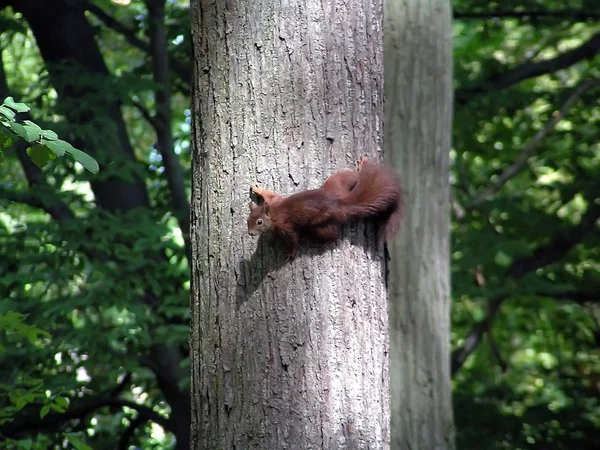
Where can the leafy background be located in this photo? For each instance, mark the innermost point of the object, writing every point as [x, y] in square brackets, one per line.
[94, 268]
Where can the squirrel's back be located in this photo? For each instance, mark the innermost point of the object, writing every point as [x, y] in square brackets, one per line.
[309, 208]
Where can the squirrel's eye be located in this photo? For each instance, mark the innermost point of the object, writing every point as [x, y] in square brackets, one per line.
[259, 222]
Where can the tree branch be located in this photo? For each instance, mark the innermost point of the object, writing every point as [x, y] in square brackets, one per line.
[129, 34]
[579, 297]
[473, 339]
[496, 351]
[163, 118]
[119, 388]
[530, 147]
[32, 423]
[587, 50]
[56, 209]
[16, 196]
[556, 249]
[128, 434]
[147, 115]
[540, 14]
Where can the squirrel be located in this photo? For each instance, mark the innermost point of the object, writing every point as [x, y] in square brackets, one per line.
[341, 182]
[372, 190]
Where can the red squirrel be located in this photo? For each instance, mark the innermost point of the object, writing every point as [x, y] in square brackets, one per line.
[319, 214]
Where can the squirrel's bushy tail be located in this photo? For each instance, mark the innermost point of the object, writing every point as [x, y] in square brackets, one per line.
[377, 194]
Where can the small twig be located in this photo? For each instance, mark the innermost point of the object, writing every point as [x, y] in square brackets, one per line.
[129, 432]
[459, 211]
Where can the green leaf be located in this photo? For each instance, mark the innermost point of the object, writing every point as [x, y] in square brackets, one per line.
[44, 411]
[85, 160]
[77, 442]
[25, 443]
[6, 137]
[40, 155]
[3, 140]
[49, 134]
[1, 158]
[8, 141]
[62, 402]
[8, 113]
[19, 107]
[34, 127]
[26, 132]
[57, 408]
[61, 147]
[20, 403]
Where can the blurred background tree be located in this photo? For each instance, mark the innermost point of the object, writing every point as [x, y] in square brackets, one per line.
[94, 268]
[526, 202]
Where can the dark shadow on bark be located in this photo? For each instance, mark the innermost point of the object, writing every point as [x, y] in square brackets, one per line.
[270, 256]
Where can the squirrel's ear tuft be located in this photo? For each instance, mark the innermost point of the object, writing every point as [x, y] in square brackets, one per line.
[252, 205]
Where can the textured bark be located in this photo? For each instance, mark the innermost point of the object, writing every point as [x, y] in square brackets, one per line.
[284, 355]
[418, 116]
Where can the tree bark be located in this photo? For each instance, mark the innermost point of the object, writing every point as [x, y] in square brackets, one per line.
[418, 117]
[284, 355]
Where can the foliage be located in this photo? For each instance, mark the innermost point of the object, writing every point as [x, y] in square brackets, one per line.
[526, 247]
[45, 143]
[93, 287]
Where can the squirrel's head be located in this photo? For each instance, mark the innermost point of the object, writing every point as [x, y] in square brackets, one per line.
[259, 220]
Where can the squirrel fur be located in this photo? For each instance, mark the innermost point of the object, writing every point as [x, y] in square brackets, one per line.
[371, 191]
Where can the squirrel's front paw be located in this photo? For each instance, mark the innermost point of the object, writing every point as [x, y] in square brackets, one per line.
[257, 189]
[362, 161]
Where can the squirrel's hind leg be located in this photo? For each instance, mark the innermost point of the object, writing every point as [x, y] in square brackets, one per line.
[292, 249]
[326, 234]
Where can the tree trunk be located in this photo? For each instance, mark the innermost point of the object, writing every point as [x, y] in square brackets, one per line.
[284, 355]
[418, 117]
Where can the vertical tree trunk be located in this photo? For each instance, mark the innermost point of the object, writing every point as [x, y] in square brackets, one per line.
[418, 116]
[284, 355]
